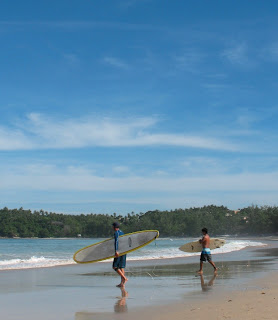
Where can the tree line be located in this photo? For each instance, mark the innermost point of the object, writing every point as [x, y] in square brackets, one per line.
[219, 220]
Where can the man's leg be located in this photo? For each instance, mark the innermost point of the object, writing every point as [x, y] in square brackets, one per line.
[201, 267]
[212, 263]
[124, 278]
[122, 274]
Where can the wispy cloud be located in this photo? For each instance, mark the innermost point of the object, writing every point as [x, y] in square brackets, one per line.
[249, 117]
[40, 132]
[120, 169]
[115, 62]
[13, 139]
[79, 179]
[57, 184]
[216, 86]
[205, 165]
[238, 55]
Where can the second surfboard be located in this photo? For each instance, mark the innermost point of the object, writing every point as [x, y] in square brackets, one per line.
[195, 246]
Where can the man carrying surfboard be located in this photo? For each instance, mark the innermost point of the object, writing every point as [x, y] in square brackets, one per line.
[205, 254]
[119, 261]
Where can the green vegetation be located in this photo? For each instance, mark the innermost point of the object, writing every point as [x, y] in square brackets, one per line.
[180, 222]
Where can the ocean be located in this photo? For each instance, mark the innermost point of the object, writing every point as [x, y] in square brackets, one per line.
[16, 254]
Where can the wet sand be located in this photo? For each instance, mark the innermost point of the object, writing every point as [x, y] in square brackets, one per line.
[250, 302]
[255, 302]
[157, 289]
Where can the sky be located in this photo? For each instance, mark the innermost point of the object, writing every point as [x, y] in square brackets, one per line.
[135, 105]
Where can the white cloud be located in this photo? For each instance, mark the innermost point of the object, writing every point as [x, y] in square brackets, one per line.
[79, 179]
[40, 132]
[115, 62]
[245, 120]
[12, 139]
[202, 163]
[120, 169]
[42, 183]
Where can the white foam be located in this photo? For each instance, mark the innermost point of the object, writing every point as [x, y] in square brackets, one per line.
[235, 245]
[170, 253]
[146, 253]
[33, 262]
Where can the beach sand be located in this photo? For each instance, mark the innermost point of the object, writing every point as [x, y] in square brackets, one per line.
[245, 288]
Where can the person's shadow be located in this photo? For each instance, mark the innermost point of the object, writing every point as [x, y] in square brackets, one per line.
[207, 286]
[120, 305]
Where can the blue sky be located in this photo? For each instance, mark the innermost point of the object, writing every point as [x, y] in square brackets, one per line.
[134, 105]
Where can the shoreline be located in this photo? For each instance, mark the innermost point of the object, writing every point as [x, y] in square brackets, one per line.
[244, 236]
[155, 260]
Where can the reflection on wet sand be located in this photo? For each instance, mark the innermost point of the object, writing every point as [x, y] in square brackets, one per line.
[119, 307]
[206, 286]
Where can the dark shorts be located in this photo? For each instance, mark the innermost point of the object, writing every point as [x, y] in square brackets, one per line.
[205, 257]
[119, 263]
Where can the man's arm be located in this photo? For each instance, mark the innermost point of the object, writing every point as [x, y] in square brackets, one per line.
[205, 241]
[116, 236]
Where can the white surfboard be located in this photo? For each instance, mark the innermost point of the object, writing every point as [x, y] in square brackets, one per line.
[196, 246]
[105, 249]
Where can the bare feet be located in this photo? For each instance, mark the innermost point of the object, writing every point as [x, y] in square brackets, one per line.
[200, 272]
[122, 284]
[215, 270]
[125, 281]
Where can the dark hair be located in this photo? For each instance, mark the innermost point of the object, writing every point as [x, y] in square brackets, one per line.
[205, 230]
[115, 225]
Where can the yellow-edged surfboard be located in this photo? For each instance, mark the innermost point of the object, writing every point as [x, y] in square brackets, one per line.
[104, 250]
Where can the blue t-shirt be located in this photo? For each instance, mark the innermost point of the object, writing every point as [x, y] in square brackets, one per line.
[116, 236]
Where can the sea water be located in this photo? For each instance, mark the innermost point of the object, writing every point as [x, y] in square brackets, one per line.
[39, 253]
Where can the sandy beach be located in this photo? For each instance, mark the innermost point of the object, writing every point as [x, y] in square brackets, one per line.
[245, 288]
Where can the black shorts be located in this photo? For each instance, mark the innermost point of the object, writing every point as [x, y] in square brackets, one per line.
[205, 257]
[120, 262]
